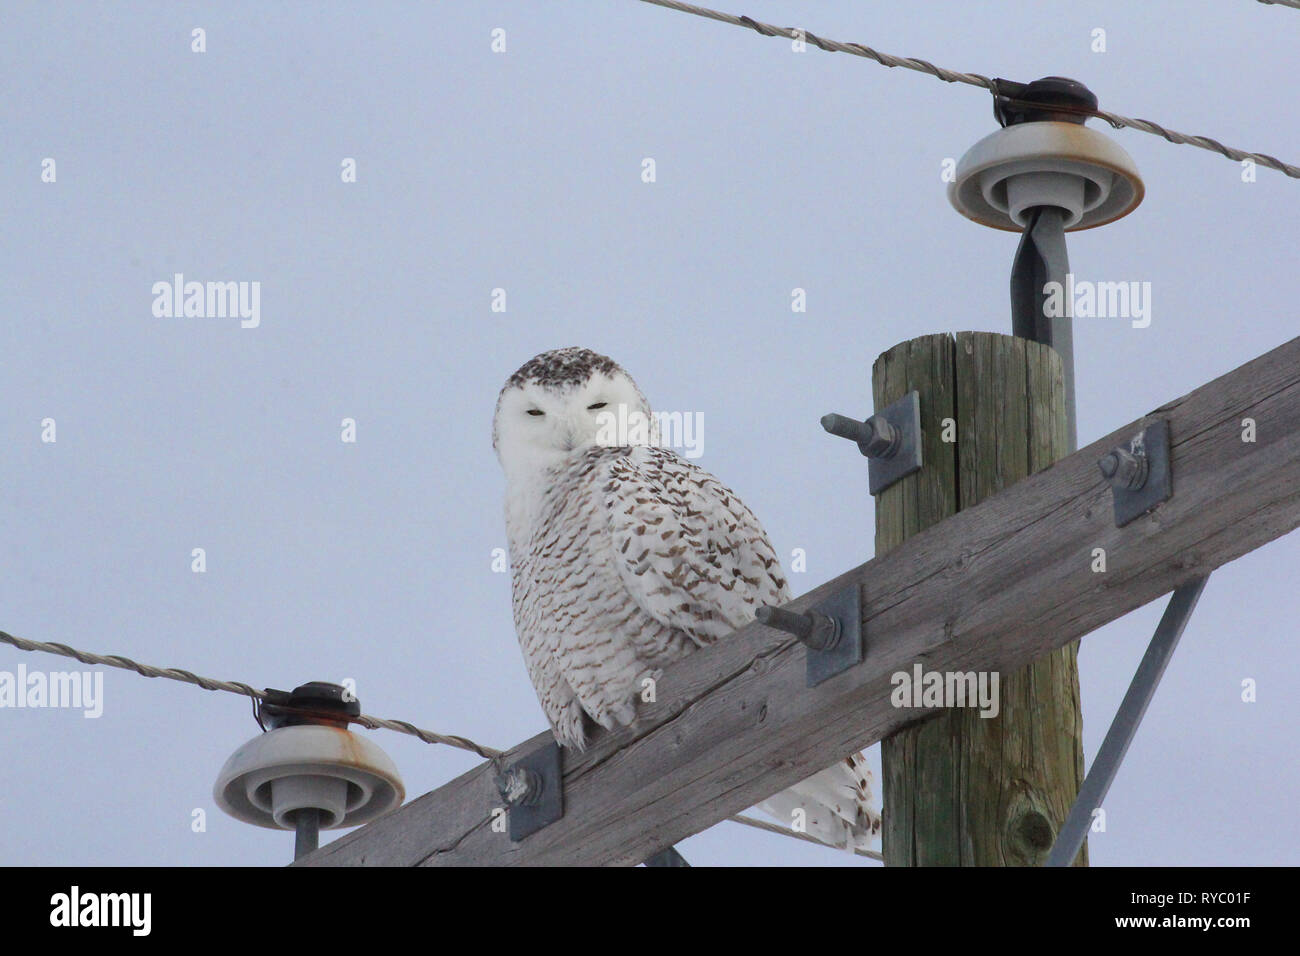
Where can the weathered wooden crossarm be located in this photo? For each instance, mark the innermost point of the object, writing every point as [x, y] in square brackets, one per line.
[988, 589]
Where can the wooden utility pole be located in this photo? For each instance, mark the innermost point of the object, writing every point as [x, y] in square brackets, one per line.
[961, 789]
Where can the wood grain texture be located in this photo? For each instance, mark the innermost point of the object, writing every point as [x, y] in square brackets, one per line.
[961, 789]
[990, 588]
[920, 790]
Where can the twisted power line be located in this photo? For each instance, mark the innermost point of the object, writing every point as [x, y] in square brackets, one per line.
[237, 687]
[401, 726]
[977, 79]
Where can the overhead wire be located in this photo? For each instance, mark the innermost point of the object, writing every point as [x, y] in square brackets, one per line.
[401, 726]
[238, 687]
[977, 79]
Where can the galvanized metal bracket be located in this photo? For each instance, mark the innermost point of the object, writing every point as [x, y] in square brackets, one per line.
[533, 788]
[905, 416]
[1125, 724]
[831, 631]
[1140, 473]
[848, 648]
[890, 440]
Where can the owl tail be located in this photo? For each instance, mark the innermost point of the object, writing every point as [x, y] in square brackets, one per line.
[835, 805]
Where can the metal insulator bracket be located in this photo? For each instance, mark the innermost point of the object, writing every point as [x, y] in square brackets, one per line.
[831, 631]
[1139, 473]
[533, 788]
[890, 440]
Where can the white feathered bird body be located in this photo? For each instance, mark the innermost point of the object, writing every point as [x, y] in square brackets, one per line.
[625, 558]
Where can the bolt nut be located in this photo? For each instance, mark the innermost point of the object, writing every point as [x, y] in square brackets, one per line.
[885, 439]
[825, 633]
[818, 631]
[1123, 469]
[876, 437]
[521, 787]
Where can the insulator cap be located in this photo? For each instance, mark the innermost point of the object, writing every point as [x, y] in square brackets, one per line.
[345, 776]
[316, 702]
[1046, 163]
[1053, 98]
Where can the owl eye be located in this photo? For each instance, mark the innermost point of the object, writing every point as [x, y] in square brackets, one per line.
[592, 408]
[536, 412]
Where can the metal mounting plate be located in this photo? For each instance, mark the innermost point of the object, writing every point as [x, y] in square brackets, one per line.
[846, 607]
[905, 415]
[526, 819]
[1154, 442]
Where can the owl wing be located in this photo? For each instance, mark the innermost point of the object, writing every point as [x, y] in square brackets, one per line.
[835, 805]
[695, 558]
[690, 553]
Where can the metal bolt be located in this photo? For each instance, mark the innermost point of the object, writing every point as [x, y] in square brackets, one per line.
[818, 631]
[876, 438]
[521, 787]
[1124, 469]
[306, 823]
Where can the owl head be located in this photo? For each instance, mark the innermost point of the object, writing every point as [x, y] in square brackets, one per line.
[561, 403]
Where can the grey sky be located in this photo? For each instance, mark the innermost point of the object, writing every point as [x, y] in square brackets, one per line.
[521, 170]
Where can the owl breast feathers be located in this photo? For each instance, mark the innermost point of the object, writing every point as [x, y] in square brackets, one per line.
[636, 557]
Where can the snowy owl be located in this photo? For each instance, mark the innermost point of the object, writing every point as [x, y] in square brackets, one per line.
[625, 557]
